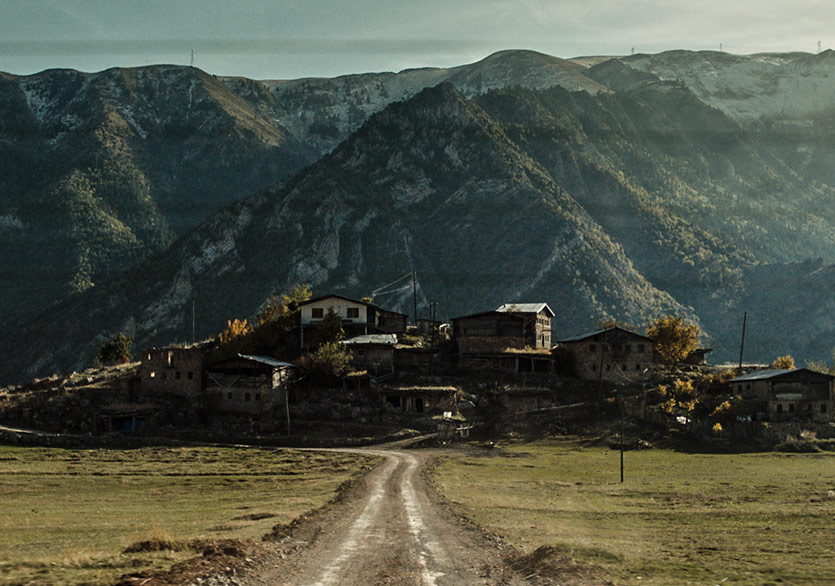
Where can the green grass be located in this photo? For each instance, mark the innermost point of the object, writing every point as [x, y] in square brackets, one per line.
[678, 518]
[67, 515]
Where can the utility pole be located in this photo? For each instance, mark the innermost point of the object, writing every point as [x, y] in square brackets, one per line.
[414, 293]
[193, 339]
[742, 343]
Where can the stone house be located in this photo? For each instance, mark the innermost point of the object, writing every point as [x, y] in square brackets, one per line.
[784, 395]
[613, 355]
[247, 384]
[538, 318]
[358, 318]
[173, 370]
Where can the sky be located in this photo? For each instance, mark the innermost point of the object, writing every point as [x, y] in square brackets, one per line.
[282, 39]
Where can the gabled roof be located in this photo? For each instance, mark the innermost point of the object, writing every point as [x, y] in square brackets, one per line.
[372, 339]
[267, 360]
[598, 332]
[525, 308]
[323, 297]
[484, 313]
[775, 373]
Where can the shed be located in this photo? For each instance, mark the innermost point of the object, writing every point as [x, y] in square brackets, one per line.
[248, 384]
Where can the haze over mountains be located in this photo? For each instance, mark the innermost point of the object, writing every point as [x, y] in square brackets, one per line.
[691, 183]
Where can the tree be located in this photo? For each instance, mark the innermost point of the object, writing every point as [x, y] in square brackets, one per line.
[784, 362]
[279, 307]
[674, 339]
[328, 363]
[330, 328]
[117, 349]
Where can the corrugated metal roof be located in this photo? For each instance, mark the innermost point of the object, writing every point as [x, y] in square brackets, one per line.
[773, 373]
[380, 339]
[266, 360]
[525, 308]
[595, 333]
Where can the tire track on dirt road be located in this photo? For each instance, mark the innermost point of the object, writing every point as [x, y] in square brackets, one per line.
[391, 531]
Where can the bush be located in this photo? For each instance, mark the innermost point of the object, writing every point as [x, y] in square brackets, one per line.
[116, 350]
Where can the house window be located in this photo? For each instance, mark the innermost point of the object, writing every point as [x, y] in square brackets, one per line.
[594, 367]
[164, 375]
[257, 396]
[592, 348]
[779, 407]
[317, 312]
[191, 376]
[153, 374]
[608, 367]
[629, 347]
[353, 313]
[246, 397]
[640, 348]
[170, 358]
[823, 407]
[177, 375]
[229, 396]
[791, 407]
[637, 367]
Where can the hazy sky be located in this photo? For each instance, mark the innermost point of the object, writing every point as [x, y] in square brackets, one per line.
[275, 39]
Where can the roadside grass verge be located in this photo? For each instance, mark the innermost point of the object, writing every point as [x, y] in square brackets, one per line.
[89, 516]
[679, 518]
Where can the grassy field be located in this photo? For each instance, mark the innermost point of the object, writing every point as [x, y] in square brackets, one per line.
[67, 515]
[679, 518]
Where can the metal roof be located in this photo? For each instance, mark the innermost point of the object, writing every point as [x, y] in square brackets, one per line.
[525, 308]
[266, 360]
[774, 373]
[378, 339]
[598, 332]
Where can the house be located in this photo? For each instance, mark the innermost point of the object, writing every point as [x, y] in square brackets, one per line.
[172, 370]
[697, 357]
[614, 355]
[358, 318]
[489, 332]
[372, 352]
[785, 394]
[247, 384]
[538, 318]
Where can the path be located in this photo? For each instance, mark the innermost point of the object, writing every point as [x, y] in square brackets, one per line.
[392, 529]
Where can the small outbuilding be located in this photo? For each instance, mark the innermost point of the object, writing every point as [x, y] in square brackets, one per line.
[372, 352]
[247, 384]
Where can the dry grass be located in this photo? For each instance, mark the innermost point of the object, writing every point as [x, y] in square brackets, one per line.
[88, 516]
[677, 519]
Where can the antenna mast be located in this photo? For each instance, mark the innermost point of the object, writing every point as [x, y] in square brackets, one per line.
[192, 58]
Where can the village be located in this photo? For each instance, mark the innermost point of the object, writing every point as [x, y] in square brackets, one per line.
[484, 373]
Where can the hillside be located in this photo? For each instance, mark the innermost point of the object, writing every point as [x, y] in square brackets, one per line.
[604, 186]
[98, 171]
[575, 199]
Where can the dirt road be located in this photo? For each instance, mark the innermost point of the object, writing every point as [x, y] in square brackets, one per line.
[391, 529]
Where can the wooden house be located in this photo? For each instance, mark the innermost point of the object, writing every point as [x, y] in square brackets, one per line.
[614, 355]
[489, 332]
[538, 317]
[788, 394]
[247, 384]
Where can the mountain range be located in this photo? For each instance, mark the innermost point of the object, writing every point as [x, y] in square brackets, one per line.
[697, 184]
